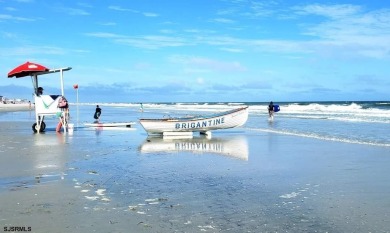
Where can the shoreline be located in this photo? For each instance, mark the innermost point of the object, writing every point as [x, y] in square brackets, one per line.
[105, 181]
[16, 107]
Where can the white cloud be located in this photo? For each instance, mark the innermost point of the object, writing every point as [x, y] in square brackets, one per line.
[232, 50]
[10, 9]
[118, 8]
[150, 14]
[208, 64]
[109, 24]
[152, 42]
[331, 11]
[345, 30]
[103, 35]
[200, 81]
[144, 42]
[83, 4]
[5, 17]
[262, 9]
[167, 31]
[75, 11]
[28, 51]
[223, 20]
[349, 30]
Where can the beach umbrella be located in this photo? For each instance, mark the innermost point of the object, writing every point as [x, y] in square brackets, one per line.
[26, 69]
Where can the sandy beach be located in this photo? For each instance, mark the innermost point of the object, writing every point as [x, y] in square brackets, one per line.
[240, 180]
[15, 107]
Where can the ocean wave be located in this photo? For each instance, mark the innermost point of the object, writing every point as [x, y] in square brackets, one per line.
[320, 108]
[352, 112]
[356, 112]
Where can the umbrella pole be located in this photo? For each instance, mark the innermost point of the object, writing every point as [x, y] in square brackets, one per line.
[34, 79]
[62, 83]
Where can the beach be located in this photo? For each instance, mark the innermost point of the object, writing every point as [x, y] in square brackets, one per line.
[245, 179]
[15, 107]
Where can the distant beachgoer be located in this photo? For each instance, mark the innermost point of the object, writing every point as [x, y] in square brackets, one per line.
[141, 108]
[98, 112]
[271, 109]
[29, 105]
[40, 91]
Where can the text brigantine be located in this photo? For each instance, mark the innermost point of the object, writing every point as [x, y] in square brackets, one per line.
[200, 124]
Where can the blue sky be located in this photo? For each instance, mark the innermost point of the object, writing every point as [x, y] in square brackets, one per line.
[200, 50]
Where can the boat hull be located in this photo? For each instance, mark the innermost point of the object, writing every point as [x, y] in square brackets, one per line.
[225, 120]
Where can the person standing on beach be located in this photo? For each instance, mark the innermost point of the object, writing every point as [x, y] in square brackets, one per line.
[271, 109]
[97, 114]
[40, 91]
[141, 109]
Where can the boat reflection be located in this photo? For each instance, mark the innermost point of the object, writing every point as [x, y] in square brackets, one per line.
[234, 146]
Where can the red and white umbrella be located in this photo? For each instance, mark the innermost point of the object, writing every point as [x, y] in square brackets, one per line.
[27, 69]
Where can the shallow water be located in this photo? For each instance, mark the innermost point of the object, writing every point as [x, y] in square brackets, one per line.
[256, 178]
[357, 123]
[275, 189]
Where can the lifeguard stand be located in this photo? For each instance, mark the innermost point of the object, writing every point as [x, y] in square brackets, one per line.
[48, 105]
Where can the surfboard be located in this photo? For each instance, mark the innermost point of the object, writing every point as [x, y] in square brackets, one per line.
[276, 108]
[110, 124]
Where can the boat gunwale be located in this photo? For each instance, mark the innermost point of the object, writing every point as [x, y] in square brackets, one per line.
[181, 119]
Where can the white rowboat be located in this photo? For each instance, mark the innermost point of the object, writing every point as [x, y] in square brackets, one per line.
[203, 124]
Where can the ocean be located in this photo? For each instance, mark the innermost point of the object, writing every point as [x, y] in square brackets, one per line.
[354, 122]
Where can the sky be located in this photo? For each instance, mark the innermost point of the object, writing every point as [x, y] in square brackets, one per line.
[200, 50]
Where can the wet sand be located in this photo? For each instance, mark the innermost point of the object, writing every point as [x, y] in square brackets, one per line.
[237, 181]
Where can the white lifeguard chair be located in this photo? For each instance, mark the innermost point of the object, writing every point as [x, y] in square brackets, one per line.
[45, 105]
[49, 105]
